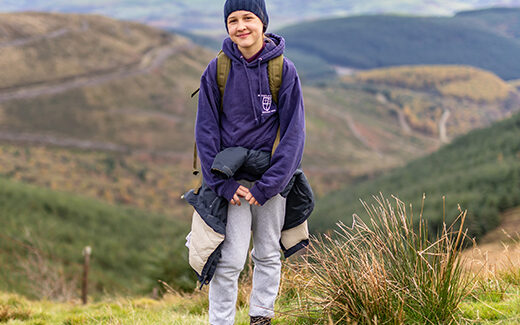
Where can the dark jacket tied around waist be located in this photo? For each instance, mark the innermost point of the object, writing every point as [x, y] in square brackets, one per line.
[210, 216]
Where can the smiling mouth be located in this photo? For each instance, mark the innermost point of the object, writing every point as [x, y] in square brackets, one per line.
[244, 35]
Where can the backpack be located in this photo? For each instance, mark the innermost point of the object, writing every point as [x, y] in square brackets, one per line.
[275, 73]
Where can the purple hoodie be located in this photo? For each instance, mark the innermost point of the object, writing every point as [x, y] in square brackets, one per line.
[250, 119]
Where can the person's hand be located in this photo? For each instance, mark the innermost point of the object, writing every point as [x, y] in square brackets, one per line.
[251, 199]
[241, 191]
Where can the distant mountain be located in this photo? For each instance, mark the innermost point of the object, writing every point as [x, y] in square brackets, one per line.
[205, 16]
[486, 39]
[504, 21]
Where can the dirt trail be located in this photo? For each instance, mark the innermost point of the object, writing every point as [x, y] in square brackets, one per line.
[40, 139]
[61, 141]
[32, 39]
[150, 61]
[141, 112]
[354, 130]
[359, 136]
[443, 136]
[54, 34]
[400, 115]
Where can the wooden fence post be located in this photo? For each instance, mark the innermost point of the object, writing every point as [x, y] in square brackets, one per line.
[86, 264]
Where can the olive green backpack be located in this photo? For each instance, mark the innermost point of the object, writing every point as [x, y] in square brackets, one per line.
[275, 70]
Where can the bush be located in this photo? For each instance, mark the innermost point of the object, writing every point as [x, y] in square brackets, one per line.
[386, 271]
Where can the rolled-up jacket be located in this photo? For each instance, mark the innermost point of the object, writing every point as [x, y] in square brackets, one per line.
[210, 216]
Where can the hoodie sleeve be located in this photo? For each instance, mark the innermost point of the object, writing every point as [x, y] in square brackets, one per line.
[207, 133]
[288, 154]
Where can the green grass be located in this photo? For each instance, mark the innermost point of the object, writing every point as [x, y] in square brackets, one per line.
[44, 233]
[192, 309]
[384, 272]
[486, 308]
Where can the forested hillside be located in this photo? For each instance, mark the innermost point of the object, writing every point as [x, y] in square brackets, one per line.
[479, 171]
[486, 40]
[502, 20]
[44, 233]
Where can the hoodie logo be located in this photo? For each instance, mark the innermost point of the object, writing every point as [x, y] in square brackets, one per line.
[266, 104]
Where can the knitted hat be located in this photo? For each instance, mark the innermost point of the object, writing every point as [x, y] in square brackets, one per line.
[255, 6]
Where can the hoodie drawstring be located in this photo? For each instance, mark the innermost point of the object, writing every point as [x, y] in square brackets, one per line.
[253, 101]
[260, 86]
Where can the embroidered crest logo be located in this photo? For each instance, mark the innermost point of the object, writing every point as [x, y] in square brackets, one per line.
[266, 104]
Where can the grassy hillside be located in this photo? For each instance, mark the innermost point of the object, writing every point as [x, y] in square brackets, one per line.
[144, 181]
[493, 299]
[480, 171]
[43, 46]
[124, 135]
[503, 20]
[448, 81]
[366, 42]
[136, 100]
[444, 101]
[136, 119]
[44, 233]
[120, 132]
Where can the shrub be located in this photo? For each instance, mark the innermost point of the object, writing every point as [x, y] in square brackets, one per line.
[389, 271]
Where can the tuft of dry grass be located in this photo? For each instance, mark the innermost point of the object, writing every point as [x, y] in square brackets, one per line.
[389, 271]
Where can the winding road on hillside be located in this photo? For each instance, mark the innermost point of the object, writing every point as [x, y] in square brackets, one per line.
[42, 139]
[150, 61]
[28, 40]
[443, 135]
[50, 35]
[354, 130]
[395, 108]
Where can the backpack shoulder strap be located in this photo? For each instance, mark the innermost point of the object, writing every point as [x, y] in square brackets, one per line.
[275, 70]
[275, 73]
[223, 68]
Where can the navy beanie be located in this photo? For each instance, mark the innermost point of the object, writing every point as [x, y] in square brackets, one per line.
[255, 6]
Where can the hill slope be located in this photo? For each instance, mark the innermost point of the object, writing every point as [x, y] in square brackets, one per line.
[502, 20]
[480, 171]
[365, 42]
[44, 233]
[124, 133]
[114, 96]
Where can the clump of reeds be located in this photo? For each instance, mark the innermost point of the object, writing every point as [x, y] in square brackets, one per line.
[389, 270]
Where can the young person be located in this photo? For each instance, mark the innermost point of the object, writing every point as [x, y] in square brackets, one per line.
[248, 117]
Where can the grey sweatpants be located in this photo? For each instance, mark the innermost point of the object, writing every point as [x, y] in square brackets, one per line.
[266, 223]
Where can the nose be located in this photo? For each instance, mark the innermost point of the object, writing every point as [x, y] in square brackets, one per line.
[241, 25]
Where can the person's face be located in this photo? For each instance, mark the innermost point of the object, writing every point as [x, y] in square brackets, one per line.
[245, 29]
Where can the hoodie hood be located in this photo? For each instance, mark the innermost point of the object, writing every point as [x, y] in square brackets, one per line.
[275, 45]
[254, 73]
